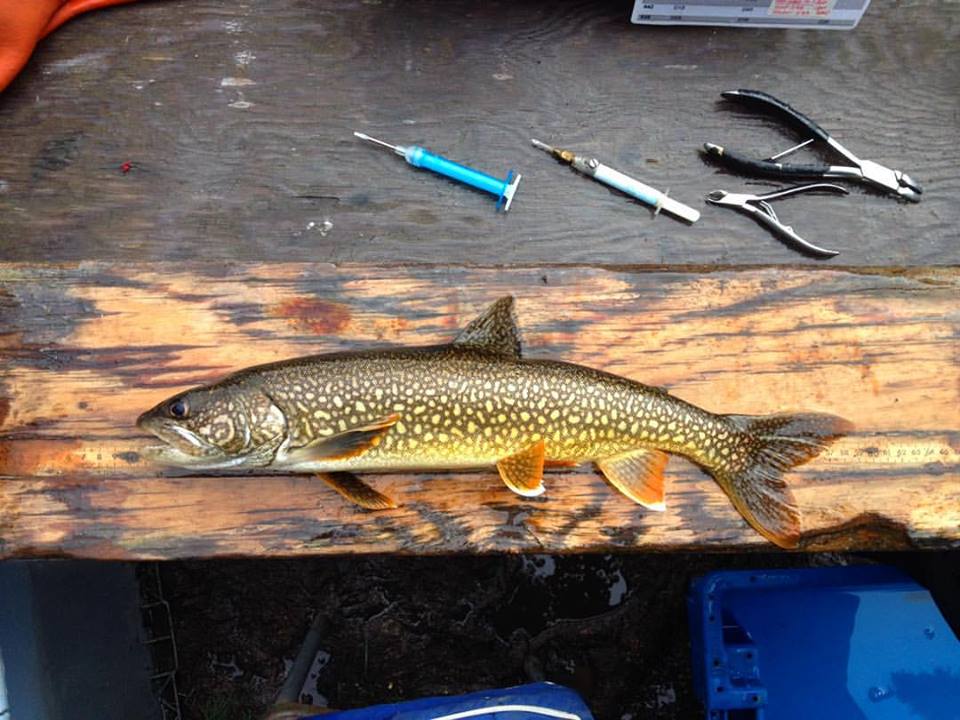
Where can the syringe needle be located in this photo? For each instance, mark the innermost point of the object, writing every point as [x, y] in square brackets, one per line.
[423, 158]
[395, 148]
[565, 156]
[624, 183]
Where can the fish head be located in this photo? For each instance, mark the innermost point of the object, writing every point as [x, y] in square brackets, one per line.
[225, 425]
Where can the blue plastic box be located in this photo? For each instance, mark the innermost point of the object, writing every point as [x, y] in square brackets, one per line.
[843, 642]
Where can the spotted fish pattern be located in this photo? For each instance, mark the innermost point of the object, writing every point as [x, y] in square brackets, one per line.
[477, 403]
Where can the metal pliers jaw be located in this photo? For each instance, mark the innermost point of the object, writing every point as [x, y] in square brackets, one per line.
[760, 209]
[893, 181]
[875, 174]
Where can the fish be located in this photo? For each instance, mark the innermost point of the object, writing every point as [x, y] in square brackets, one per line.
[476, 403]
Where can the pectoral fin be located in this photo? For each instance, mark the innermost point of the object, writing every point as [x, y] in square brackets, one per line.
[356, 490]
[638, 474]
[522, 472]
[350, 443]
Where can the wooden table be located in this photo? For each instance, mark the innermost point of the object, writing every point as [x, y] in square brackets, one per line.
[251, 226]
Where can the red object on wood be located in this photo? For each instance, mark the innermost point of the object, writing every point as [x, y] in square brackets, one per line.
[23, 23]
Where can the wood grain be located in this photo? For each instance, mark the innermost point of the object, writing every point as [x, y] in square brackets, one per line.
[237, 118]
[86, 347]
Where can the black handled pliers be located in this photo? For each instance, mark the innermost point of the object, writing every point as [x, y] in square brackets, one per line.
[892, 181]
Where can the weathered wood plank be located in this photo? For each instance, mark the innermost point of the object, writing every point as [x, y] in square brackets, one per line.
[87, 347]
[238, 119]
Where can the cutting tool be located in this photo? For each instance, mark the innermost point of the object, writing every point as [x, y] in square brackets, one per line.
[883, 178]
[759, 208]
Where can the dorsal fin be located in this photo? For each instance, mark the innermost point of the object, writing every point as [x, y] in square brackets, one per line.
[495, 330]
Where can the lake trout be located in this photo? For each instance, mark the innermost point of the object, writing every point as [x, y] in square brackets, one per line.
[476, 403]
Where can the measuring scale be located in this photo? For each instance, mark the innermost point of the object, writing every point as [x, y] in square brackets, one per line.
[826, 14]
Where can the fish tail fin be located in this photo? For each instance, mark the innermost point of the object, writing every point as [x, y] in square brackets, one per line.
[754, 478]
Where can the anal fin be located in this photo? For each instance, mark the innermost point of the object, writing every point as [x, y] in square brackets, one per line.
[357, 491]
[522, 472]
[638, 474]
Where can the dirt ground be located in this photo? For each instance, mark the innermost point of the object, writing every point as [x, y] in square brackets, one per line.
[613, 627]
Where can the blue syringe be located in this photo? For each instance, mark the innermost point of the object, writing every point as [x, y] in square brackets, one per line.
[423, 158]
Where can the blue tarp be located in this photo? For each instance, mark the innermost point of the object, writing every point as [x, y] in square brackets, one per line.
[538, 701]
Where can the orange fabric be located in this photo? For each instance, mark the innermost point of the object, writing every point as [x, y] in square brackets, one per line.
[21, 24]
[72, 8]
[24, 22]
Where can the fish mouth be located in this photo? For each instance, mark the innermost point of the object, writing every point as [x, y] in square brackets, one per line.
[171, 456]
[183, 448]
[181, 443]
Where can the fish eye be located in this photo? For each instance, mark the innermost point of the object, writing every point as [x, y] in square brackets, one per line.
[178, 408]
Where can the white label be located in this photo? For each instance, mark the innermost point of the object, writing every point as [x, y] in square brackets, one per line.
[822, 14]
